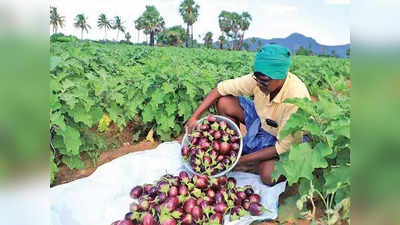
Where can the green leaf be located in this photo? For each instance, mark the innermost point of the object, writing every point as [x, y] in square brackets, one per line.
[299, 163]
[340, 127]
[336, 177]
[54, 102]
[157, 98]
[185, 110]
[72, 139]
[79, 114]
[295, 123]
[115, 112]
[330, 109]
[73, 162]
[54, 62]
[58, 119]
[69, 99]
[171, 109]
[99, 87]
[318, 155]
[118, 98]
[303, 103]
[147, 114]
[67, 84]
[167, 88]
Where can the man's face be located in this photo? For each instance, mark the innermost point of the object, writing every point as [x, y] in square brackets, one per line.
[265, 83]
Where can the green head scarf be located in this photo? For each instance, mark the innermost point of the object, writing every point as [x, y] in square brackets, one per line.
[273, 61]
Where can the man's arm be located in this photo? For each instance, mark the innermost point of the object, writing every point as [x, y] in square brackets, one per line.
[267, 153]
[207, 102]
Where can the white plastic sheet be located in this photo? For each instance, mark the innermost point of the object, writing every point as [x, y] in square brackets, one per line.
[103, 197]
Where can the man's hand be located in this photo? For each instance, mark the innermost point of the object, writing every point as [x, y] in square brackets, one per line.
[190, 124]
[207, 102]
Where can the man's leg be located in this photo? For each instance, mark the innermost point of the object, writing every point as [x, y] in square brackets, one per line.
[265, 170]
[229, 106]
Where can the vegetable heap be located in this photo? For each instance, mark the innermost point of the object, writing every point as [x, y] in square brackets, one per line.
[213, 147]
[190, 200]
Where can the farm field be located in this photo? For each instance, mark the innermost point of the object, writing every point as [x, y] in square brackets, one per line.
[103, 95]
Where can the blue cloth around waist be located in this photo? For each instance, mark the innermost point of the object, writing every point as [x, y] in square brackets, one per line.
[256, 137]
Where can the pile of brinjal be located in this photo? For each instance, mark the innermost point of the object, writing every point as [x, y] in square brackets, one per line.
[213, 147]
[189, 200]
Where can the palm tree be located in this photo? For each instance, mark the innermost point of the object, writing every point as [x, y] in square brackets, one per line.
[189, 10]
[56, 20]
[151, 22]
[225, 23]
[208, 39]
[235, 27]
[244, 25]
[118, 25]
[103, 22]
[139, 25]
[128, 37]
[221, 40]
[81, 22]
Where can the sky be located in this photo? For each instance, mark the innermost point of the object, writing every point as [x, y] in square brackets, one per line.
[327, 21]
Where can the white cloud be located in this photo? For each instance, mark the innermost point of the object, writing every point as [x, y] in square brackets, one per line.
[337, 2]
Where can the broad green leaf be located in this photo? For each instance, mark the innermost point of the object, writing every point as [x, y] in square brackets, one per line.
[55, 84]
[336, 177]
[318, 155]
[303, 103]
[99, 87]
[72, 139]
[157, 98]
[167, 88]
[340, 127]
[185, 110]
[147, 114]
[115, 112]
[54, 103]
[54, 62]
[67, 84]
[329, 108]
[312, 127]
[279, 168]
[171, 109]
[73, 162]
[118, 98]
[295, 123]
[299, 163]
[69, 99]
[79, 114]
[58, 119]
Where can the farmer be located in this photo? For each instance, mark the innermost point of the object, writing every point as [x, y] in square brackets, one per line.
[265, 117]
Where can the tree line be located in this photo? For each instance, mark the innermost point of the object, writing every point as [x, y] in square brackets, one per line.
[232, 25]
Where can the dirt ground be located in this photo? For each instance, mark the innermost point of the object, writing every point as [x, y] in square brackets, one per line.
[66, 175]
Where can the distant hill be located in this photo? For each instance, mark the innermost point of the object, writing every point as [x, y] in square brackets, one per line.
[295, 41]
